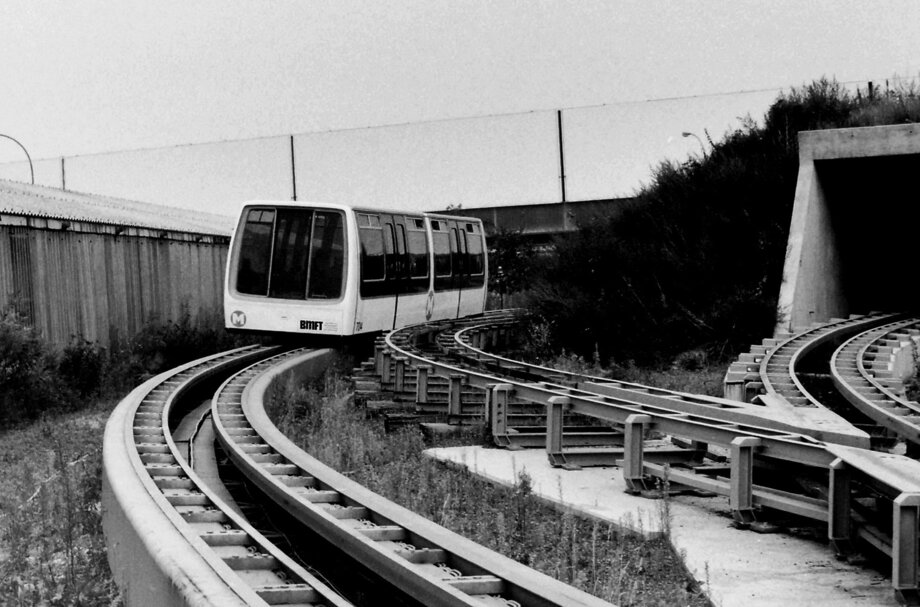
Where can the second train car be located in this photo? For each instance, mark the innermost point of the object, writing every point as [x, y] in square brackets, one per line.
[337, 270]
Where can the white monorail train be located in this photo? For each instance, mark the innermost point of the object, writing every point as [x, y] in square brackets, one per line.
[330, 269]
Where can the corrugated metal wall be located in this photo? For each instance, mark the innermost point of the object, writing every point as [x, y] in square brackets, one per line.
[105, 286]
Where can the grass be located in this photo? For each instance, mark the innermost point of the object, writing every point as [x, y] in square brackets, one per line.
[600, 559]
[52, 550]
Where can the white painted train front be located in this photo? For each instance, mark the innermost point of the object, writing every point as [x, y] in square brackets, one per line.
[336, 270]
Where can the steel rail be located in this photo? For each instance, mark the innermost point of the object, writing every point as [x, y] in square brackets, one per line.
[860, 386]
[667, 418]
[171, 540]
[723, 409]
[779, 376]
[896, 477]
[428, 562]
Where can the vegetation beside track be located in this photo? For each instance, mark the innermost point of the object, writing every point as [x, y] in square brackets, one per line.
[599, 559]
[53, 408]
[36, 379]
[52, 550]
[695, 261]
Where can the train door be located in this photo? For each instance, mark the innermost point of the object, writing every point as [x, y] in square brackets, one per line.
[413, 271]
[458, 251]
[377, 302]
[444, 301]
[473, 264]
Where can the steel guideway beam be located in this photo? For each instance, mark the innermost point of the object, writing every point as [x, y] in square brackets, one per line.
[385, 375]
[741, 499]
[454, 395]
[555, 410]
[904, 549]
[400, 379]
[501, 396]
[421, 384]
[633, 452]
[838, 516]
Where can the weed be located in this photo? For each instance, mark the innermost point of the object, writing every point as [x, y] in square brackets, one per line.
[597, 558]
[50, 521]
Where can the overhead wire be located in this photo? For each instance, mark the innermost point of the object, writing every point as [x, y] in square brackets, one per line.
[445, 119]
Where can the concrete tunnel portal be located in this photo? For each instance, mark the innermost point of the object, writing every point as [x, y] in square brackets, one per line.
[851, 246]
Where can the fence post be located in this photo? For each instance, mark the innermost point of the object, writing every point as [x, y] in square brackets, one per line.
[741, 498]
[633, 452]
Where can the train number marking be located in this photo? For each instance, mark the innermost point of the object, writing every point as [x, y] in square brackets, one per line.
[311, 325]
[238, 319]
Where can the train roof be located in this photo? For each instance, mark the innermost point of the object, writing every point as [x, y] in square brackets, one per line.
[359, 209]
[52, 203]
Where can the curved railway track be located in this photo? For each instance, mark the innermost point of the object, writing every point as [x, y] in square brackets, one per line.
[869, 369]
[866, 498]
[171, 539]
[195, 548]
[446, 371]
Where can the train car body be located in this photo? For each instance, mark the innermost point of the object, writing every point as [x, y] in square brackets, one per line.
[336, 270]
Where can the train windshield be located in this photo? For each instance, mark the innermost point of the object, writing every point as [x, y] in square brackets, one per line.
[292, 253]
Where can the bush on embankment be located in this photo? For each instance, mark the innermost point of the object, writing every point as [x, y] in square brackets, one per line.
[36, 378]
[696, 261]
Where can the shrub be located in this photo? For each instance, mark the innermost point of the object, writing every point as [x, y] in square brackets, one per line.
[696, 262]
[82, 366]
[35, 378]
[29, 384]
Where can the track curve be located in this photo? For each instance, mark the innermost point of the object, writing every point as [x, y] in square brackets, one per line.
[171, 540]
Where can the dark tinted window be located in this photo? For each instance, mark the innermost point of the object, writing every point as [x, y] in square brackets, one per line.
[389, 250]
[372, 266]
[327, 256]
[289, 258]
[441, 253]
[418, 251]
[282, 249]
[474, 248]
[255, 252]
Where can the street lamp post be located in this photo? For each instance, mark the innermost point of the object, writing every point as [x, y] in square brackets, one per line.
[689, 134]
[29, 158]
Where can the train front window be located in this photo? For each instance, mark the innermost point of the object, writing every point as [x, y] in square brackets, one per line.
[326, 258]
[255, 252]
[291, 253]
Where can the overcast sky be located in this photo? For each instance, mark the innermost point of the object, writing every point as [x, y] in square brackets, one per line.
[80, 78]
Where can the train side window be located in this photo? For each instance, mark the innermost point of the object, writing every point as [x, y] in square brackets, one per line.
[372, 259]
[418, 249]
[475, 254]
[327, 256]
[456, 260]
[442, 267]
[255, 252]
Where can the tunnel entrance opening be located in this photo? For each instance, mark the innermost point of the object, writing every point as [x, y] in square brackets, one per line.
[873, 211]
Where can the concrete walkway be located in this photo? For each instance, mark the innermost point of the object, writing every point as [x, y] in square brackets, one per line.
[734, 567]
